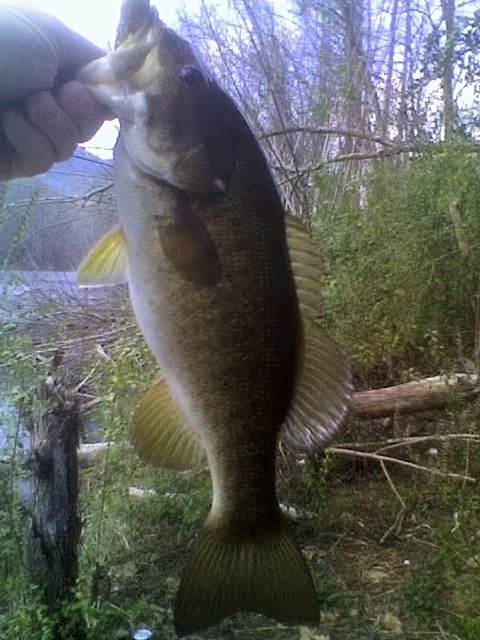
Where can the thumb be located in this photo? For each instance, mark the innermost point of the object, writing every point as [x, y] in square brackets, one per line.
[37, 51]
[72, 50]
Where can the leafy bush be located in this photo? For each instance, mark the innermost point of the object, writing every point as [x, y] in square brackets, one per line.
[401, 263]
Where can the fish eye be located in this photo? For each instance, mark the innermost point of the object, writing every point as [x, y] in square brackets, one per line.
[191, 75]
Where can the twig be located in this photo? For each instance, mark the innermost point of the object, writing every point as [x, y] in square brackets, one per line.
[399, 461]
[363, 135]
[90, 337]
[86, 406]
[63, 199]
[468, 437]
[409, 441]
[367, 155]
[397, 525]
[86, 379]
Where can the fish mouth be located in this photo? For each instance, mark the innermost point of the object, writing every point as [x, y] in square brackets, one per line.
[120, 79]
[143, 82]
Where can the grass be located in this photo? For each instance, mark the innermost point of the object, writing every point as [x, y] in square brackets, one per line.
[422, 580]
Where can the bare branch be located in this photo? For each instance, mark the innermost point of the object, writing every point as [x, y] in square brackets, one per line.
[404, 463]
[339, 131]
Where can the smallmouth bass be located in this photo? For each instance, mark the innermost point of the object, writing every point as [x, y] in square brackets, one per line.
[224, 288]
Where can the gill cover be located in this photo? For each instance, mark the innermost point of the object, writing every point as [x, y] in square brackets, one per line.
[177, 124]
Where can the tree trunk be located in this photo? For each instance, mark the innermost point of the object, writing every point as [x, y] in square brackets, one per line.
[404, 123]
[54, 525]
[392, 44]
[448, 11]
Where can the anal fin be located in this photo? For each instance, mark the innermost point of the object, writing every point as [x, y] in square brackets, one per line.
[160, 433]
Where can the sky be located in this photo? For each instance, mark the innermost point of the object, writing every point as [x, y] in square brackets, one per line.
[97, 21]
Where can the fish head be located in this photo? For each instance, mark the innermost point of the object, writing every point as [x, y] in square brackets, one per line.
[176, 124]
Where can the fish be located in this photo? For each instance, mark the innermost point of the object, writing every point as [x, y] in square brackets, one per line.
[225, 289]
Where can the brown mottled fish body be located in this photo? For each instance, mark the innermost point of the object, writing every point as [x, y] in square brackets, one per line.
[203, 245]
[199, 332]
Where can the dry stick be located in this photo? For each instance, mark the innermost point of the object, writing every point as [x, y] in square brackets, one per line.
[467, 459]
[45, 348]
[407, 441]
[468, 437]
[340, 131]
[64, 199]
[381, 153]
[87, 378]
[367, 155]
[397, 524]
[104, 335]
[405, 463]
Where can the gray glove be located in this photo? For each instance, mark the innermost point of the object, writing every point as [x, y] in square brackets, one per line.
[44, 113]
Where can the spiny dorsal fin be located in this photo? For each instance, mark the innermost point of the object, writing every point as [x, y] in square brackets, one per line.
[324, 384]
[262, 571]
[106, 263]
[160, 434]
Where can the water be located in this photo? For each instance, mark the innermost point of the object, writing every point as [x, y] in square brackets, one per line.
[13, 438]
[24, 297]
[22, 293]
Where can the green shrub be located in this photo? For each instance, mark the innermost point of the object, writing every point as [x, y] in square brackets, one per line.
[401, 279]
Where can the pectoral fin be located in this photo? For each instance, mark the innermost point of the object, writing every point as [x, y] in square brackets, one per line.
[189, 247]
[324, 381]
[160, 434]
[106, 263]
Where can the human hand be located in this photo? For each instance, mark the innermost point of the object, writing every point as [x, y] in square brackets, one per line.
[44, 112]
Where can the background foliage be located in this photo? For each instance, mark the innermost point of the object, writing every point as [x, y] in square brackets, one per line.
[401, 274]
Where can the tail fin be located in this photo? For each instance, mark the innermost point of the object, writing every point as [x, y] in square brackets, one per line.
[262, 572]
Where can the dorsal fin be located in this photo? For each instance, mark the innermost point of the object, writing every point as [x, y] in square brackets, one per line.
[324, 382]
[304, 260]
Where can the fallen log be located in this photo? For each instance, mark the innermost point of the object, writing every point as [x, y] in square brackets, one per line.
[411, 397]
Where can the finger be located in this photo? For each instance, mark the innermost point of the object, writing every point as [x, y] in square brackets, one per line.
[31, 150]
[38, 51]
[45, 113]
[86, 112]
[6, 152]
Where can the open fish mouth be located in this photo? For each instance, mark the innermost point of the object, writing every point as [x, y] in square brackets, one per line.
[119, 79]
[155, 84]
